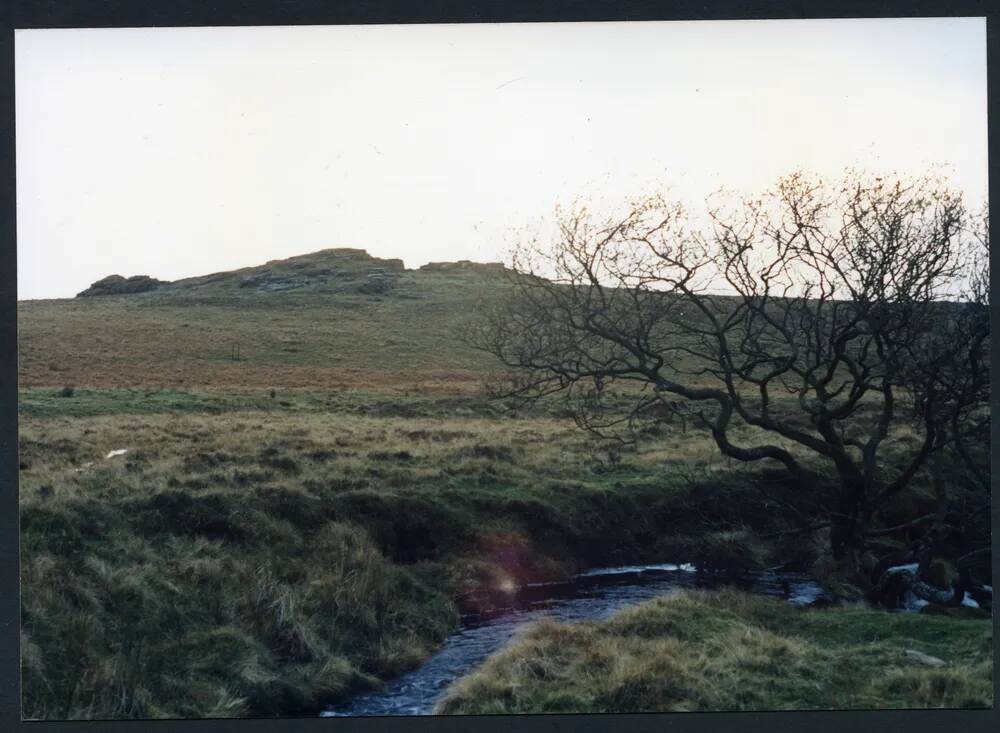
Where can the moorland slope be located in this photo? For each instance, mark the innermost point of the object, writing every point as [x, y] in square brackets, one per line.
[335, 318]
[212, 534]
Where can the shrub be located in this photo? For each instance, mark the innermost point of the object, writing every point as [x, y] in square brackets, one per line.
[733, 551]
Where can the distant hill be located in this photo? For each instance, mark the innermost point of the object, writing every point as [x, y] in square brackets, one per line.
[329, 271]
[337, 318]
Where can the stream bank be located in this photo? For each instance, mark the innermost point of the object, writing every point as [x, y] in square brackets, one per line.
[491, 620]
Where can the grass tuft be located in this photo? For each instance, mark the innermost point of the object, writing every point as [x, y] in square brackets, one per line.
[703, 651]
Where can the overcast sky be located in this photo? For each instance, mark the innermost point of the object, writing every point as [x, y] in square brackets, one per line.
[178, 152]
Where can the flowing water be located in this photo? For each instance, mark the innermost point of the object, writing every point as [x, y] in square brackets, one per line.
[490, 621]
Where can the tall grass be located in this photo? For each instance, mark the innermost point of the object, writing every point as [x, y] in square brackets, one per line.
[192, 627]
[248, 557]
[265, 563]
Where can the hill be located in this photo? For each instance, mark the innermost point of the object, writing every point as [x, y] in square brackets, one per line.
[336, 318]
[197, 539]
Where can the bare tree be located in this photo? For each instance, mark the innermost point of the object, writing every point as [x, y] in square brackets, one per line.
[823, 317]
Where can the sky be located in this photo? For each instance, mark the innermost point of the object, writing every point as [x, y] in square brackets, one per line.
[174, 152]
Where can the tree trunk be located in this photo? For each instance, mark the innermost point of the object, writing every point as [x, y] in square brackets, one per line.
[847, 535]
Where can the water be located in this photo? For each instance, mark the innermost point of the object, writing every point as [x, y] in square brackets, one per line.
[491, 621]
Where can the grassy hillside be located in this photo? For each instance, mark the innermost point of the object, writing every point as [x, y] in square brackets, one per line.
[269, 558]
[294, 526]
[251, 550]
[729, 651]
[332, 331]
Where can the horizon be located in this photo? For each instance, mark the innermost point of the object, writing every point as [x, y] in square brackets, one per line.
[297, 255]
[222, 148]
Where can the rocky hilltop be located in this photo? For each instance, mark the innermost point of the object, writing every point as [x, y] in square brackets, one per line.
[462, 266]
[337, 318]
[118, 285]
[340, 270]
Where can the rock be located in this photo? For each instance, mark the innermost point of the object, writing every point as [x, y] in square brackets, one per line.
[902, 587]
[283, 285]
[377, 283]
[982, 595]
[393, 264]
[462, 265]
[967, 612]
[892, 589]
[932, 593]
[919, 657]
[270, 282]
[942, 574]
[118, 285]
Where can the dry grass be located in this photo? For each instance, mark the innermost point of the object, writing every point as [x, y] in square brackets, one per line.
[256, 562]
[409, 338]
[728, 651]
[290, 528]
[244, 560]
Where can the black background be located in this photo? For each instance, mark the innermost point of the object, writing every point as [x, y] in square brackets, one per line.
[125, 13]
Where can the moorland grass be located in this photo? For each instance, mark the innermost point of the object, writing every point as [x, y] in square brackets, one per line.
[292, 527]
[723, 650]
[251, 562]
[271, 555]
[309, 338]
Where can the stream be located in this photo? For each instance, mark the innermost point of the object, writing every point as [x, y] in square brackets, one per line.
[490, 621]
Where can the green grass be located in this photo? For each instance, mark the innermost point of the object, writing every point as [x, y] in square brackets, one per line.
[239, 561]
[720, 651]
[48, 402]
[322, 336]
[185, 625]
[252, 555]
[290, 528]
[316, 539]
